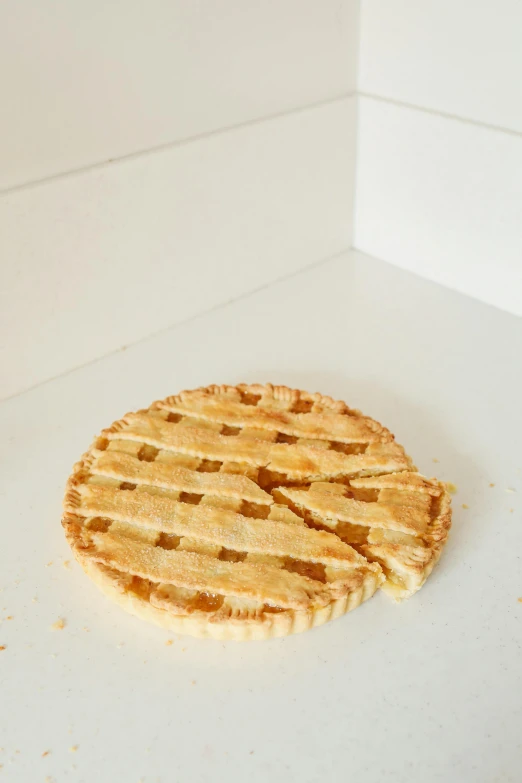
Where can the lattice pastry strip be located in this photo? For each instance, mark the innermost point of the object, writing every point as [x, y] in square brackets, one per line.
[167, 473]
[295, 460]
[276, 415]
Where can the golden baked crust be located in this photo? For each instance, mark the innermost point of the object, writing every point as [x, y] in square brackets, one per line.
[249, 511]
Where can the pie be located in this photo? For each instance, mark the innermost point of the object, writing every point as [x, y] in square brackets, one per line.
[251, 511]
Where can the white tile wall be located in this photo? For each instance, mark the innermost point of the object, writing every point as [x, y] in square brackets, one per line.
[462, 57]
[442, 198]
[101, 258]
[84, 82]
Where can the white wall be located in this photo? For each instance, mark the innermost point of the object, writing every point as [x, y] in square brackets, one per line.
[231, 130]
[439, 168]
[460, 57]
[86, 81]
[98, 254]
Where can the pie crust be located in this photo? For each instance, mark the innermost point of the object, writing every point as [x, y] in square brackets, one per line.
[251, 511]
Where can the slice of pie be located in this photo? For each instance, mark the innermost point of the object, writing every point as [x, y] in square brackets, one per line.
[249, 511]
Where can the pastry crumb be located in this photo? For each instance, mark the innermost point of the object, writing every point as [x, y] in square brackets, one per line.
[119, 646]
[2, 647]
[59, 625]
[465, 505]
[86, 629]
[435, 459]
[451, 487]
[520, 599]
[193, 682]
[510, 489]
[67, 564]
[34, 600]
[73, 748]
[492, 485]
[49, 564]
[9, 617]
[169, 642]
[45, 753]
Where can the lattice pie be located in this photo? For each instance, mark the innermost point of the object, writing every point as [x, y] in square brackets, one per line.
[251, 511]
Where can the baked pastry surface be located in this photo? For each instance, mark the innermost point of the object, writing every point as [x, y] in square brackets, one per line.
[251, 511]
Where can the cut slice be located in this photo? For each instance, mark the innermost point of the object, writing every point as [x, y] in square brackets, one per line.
[403, 529]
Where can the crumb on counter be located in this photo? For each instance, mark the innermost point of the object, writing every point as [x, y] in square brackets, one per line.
[73, 748]
[520, 599]
[59, 625]
[435, 459]
[67, 564]
[9, 617]
[45, 753]
[465, 505]
[492, 485]
[510, 489]
[169, 642]
[451, 487]
[2, 647]
[49, 564]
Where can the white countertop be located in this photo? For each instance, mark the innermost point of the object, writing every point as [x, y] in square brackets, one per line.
[428, 690]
